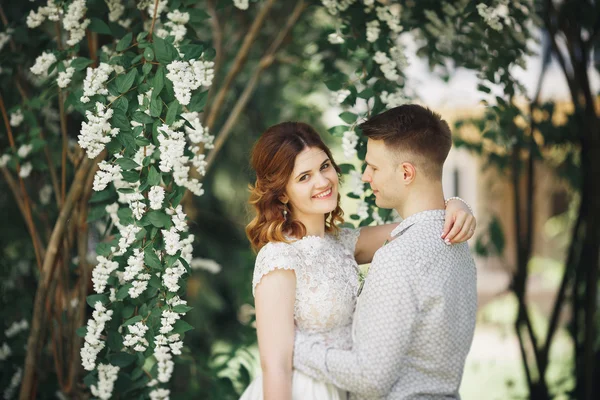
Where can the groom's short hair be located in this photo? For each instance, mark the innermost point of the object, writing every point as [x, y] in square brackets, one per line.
[414, 129]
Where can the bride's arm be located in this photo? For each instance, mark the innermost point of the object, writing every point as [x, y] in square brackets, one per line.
[458, 227]
[274, 301]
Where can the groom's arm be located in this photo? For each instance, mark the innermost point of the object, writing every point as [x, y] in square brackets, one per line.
[385, 317]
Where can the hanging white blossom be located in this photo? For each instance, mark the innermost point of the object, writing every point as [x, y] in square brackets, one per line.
[97, 131]
[25, 170]
[42, 63]
[16, 118]
[349, 142]
[107, 375]
[72, 23]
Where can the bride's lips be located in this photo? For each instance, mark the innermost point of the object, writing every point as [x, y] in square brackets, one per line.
[324, 194]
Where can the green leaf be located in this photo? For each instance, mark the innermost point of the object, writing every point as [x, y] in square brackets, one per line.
[80, 63]
[120, 120]
[164, 51]
[124, 42]
[125, 216]
[82, 330]
[99, 26]
[146, 69]
[124, 82]
[122, 359]
[128, 141]
[192, 51]
[114, 341]
[142, 117]
[197, 16]
[172, 113]
[151, 259]
[367, 93]
[348, 117]
[155, 107]
[92, 299]
[181, 327]
[170, 260]
[346, 168]
[198, 101]
[338, 131]
[142, 141]
[130, 176]
[158, 81]
[158, 219]
[133, 320]
[123, 291]
[155, 282]
[128, 310]
[141, 36]
[101, 196]
[182, 308]
[483, 88]
[153, 176]
[95, 213]
[127, 163]
[103, 249]
[121, 104]
[149, 54]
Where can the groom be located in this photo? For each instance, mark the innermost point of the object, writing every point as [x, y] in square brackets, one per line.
[415, 317]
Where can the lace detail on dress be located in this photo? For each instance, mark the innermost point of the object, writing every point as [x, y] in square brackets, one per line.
[326, 282]
[271, 257]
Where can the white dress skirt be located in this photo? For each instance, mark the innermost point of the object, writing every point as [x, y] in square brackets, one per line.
[303, 388]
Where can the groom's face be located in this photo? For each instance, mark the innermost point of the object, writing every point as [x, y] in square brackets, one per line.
[383, 175]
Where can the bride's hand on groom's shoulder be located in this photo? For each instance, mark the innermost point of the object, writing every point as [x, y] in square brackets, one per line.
[460, 222]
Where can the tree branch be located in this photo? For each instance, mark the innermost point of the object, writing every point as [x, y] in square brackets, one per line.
[34, 341]
[238, 63]
[217, 32]
[264, 63]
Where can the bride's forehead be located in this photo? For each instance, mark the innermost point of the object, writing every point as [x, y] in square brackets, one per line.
[308, 157]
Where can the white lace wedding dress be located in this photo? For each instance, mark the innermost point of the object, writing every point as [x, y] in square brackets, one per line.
[326, 288]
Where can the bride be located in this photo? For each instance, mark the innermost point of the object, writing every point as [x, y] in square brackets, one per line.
[306, 275]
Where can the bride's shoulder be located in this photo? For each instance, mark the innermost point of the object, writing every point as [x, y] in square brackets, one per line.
[276, 252]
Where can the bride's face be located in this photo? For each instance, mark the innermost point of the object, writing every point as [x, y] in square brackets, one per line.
[313, 185]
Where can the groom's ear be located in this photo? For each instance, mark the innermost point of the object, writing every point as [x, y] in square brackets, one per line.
[408, 172]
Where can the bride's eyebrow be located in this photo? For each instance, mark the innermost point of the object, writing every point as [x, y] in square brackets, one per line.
[306, 172]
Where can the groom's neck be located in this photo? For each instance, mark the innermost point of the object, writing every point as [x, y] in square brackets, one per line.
[426, 196]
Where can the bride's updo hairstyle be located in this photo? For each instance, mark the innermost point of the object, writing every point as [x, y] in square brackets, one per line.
[273, 158]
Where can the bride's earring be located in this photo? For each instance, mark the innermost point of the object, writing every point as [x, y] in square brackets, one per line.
[285, 211]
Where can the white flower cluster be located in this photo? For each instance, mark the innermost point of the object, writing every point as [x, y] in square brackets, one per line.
[341, 95]
[64, 78]
[135, 338]
[189, 75]
[197, 133]
[93, 344]
[363, 210]
[167, 345]
[178, 218]
[356, 184]
[73, 24]
[127, 237]
[50, 11]
[5, 37]
[107, 375]
[241, 4]
[24, 150]
[336, 38]
[172, 147]
[95, 81]
[25, 170]
[4, 159]
[160, 394]
[205, 264]
[172, 243]
[493, 15]
[335, 6]
[373, 31]
[175, 26]
[162, 4]
[16, 118]
[5, 352]
[394, 99]
[349, 142]
[106, 174]
[134, 271]
[156, 195]
[16, 328]
[97, 131]
[391, 16]
[115, 10]
[45, 194]
[42, 63]
[102, 272]
[14, 384]
[387, 66]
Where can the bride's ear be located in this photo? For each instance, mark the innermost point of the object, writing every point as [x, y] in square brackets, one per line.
[284, 199]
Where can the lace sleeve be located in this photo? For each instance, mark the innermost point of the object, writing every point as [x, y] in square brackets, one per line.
[348, 237]
[271, 257]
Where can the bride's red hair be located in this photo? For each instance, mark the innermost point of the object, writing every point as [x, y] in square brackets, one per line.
[273, 158]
